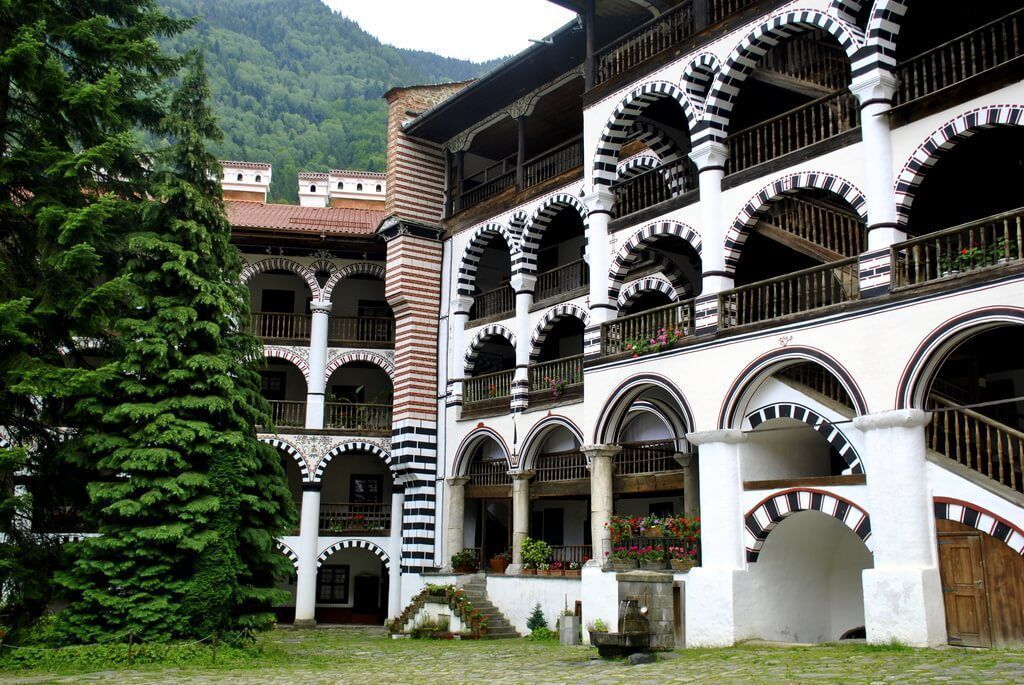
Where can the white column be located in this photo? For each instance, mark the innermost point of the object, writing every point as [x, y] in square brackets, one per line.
[317, 364]
[395, 569]
[874, 90]
[601, 461]
[902, 592]
[599, 205]
[308, 552]
[691, 484]
[522, 284]
[520, 514]
[710, 600]
[455, 496]
[710, 158]
[459, 315]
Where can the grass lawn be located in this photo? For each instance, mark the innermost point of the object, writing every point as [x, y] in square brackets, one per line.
[368, 657]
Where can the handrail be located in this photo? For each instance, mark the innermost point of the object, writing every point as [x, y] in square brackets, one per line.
[559, 466]
[280, 325]
[488, 386]
[360, 329]
[654, 186]
[288, 413]
[568, 370]
[562, 279]
[500, 300]
[643, 326]
[1009, 430]
[485, 190]
[340, 517]
[490, 472]
[647, 40]
[977, 442]
[357, 416]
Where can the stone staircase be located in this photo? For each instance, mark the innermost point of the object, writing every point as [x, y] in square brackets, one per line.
[475, 587]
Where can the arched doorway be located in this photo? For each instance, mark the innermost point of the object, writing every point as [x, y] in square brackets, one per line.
[559, 491]
[352, 584]
[487, 514]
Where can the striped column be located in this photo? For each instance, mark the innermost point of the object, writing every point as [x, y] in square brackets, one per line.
[460, 306]
[710, 158]
[522, 284]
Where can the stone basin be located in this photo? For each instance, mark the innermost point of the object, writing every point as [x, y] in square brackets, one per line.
[620, 644]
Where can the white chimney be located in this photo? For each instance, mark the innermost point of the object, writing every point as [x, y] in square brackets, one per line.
[246, 181]
[312, 189]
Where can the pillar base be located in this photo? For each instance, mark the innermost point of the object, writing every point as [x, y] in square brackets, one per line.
[304, 623]
[710, 613]
[513, 569]
[904, 605]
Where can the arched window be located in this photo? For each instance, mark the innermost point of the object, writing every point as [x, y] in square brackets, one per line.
[312, 189]
[379, 188]
[259, 179]
[341, 185]
[359, 186]
[239, 177]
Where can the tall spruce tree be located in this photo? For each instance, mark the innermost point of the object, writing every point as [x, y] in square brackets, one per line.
[189, 500]
[78, 81]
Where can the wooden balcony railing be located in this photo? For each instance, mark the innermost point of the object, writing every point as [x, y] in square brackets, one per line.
[550, 376]
[720, 9]
[348, 517]
[553, 162]
[288, 414]
[646, 457]
[346, 331]
[812, 123]
[487, 189]
[489, 386]
[966, 248]
[555, 466]
[276, 326]
[816, 378]
[653, 187]
[646, 41]
[801, 291]
[568, 554]
[501, 300]
[619, 334]
[362, 417]
[815, 61]
[957, 60]
[840, 232]
[562, 280]
[978, 442]
[490, 472]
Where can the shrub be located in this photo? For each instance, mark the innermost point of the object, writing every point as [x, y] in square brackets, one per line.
[537, 619]
[542, 635]
[466, 559]
[535, 552]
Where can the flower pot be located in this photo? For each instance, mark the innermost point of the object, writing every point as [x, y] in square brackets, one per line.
[572, 573]
[557, 572]
[529, 571]
[659, 565]
[621, 564]
[464, 569]
[543, 572]
[654, 532]
[683, 564]
[498, 565]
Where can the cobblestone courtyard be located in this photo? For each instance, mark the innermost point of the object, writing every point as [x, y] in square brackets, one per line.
[370, 658]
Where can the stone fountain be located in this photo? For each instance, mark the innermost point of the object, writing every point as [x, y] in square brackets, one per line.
[645, 616]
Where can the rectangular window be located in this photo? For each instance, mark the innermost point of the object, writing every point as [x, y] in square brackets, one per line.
[332, 584]
[272, 384]
[366, 489]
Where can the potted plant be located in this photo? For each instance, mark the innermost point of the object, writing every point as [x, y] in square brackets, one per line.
[682, 558]
[465, 561]
[568, 627]
[653, 527]
[652, 558]
[573, 569]
[535, 554]
[544, 569]
[500, 561]
[622, 558]
[557, 568]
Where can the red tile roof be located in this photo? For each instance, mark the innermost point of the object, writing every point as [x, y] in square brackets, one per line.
[316, 220]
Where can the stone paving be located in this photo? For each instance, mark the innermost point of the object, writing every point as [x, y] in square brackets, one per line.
[369, 657]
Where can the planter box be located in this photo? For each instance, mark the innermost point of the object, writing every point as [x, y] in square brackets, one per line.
[569, 630]
[498, 565]
[659, 565]
[529, 571]
[621, 564]
[682, 564]
[572, 574]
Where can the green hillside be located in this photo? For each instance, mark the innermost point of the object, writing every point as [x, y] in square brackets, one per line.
[299, 86]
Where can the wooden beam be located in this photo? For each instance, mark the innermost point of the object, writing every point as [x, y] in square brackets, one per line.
[812, 481]
[560, 488]
[796, 243]
[647, 482]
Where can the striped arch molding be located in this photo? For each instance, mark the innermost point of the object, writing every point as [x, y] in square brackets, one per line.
[354, 446]
[282, 264]
[517, 222]
[530, 446]
[644, 236]
[361, 356]
[548, 321]
[636, 165]
[288, 552]
[621, 121]
[882, 30]
[835, 437]
[748, 53]
[475, 249]
[278, 352]
[762, 519]
[350, 270]
[697, 78]
[941, 140]
[355, 544]
[673, 161]
[534, 229]
[291, 451]
[948, 509]
[484, 334]
[847, 9]
[786, 185]
[648, 284]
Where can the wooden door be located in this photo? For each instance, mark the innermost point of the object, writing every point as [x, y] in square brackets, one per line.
[963, 589]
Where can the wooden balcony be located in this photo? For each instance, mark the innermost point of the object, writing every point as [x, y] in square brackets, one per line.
[823, 231]
[489, 473]
[288, 414]
[720, 9]
[561, 466]
[627, 334]
[349, 518]
[364, 419]
[486, 188]
[277, 326]
[494, 303]
[553, 162]
[973, 440]
[648, 40]
[957, 60]
[801, 291]
[815, 122]
[653, 187]
[561, 282]
[556, 379]
[568, 554]
[638, 458]
[489, 386]
[977, 245]
[361, 331]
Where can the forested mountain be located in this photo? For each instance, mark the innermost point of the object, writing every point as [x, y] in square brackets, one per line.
[297, 85]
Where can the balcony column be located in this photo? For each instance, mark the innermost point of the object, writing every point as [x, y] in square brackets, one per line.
[459, 318]
[520, 150]
[710, 158]
[395, 552]
[902, 591]
[601, 462]
[520, 514]
[599, 208]
[308, 551]
[710, 613]
[317, 363]
[455, 517]
[522, 284]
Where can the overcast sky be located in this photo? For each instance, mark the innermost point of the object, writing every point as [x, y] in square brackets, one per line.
[469, 29]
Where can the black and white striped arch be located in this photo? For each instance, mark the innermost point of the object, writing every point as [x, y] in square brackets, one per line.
[790, 410]
[762, 519]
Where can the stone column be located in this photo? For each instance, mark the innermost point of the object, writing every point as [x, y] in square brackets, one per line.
[902, 592]
[317, 364]
[395, 552]
[459, 316]
[691, 484]
[520, 514]
[601, 461]
[710, 611]
[599, 205]
[523, 286]
[455, 495]
[308, 552]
